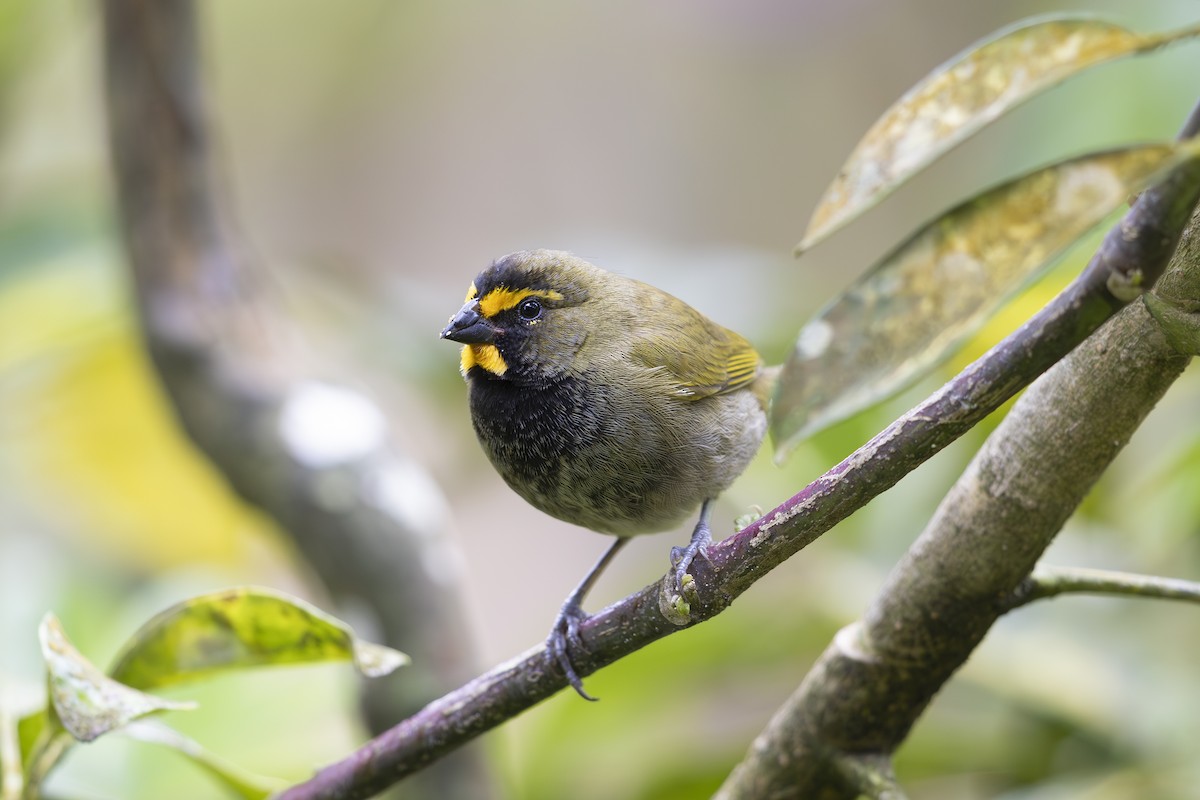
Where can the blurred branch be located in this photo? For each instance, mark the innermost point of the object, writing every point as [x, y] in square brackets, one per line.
[877, 677]
[1136, 252]
[1052, 581]
[367, 520]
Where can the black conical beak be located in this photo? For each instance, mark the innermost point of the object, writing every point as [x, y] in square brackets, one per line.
[469, 327]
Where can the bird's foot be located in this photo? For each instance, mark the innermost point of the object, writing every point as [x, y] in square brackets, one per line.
[564, 636]
[679, 591]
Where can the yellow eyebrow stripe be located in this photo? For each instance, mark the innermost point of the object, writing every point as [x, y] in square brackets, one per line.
[502, 298]
[471, 293]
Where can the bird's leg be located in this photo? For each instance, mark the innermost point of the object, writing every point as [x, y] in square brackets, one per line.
[565, 633]
[682, 557]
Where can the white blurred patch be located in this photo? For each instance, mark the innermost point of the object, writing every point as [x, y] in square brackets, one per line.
[814, 339]
[403, 491]
[324, 425]
[443, 563]
[407, 494]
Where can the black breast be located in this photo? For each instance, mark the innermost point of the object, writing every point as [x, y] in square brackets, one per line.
[531, 432]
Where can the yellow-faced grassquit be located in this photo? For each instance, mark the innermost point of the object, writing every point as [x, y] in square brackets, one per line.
[607, 403]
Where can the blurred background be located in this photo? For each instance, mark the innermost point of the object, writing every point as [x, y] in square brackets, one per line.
[377, 155]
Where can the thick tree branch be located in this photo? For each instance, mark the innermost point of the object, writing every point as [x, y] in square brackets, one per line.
[245, 391]
[876, 678]
[1046, 582]
[1138, 249]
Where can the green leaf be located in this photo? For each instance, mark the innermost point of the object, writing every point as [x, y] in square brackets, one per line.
[238, 628]
[233, 778]
[29, 731]
[86, 702]
[897, 321]
[963, 95]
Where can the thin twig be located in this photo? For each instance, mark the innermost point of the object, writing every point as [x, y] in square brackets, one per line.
[1048, 582]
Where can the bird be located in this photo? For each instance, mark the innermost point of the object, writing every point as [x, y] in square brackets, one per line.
[607, 403]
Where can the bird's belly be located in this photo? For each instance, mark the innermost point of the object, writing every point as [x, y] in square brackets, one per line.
[621, 470]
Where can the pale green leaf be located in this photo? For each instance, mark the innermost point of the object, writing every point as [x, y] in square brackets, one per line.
[239, 628]
[232, 777]
[87, 702]
[908, 312]
[29, 731]
[963, 95]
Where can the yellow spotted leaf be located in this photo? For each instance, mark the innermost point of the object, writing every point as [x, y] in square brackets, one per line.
[963, 95]
[922, 300]
[29, 731]
[243, 627]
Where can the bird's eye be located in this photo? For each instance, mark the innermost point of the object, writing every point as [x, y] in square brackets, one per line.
[530, 309]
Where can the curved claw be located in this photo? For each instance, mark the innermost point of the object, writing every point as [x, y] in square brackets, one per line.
[565, 633]
[563, 636]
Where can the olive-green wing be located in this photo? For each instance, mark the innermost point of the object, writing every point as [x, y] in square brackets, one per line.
[700, 357]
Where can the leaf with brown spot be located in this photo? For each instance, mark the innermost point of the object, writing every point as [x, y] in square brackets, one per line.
[908, 312]
[963, 95]
[86, 702]
[240, 628]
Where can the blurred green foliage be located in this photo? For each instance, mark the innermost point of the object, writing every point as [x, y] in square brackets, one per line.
[195, 640]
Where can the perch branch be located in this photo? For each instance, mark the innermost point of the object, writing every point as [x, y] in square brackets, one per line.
[1140, 246]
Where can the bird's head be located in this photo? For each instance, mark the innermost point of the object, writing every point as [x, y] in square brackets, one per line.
[527, 316]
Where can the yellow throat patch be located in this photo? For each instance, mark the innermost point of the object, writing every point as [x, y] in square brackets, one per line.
[482, 355]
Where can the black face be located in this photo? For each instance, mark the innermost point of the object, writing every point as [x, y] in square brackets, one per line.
[512, 322]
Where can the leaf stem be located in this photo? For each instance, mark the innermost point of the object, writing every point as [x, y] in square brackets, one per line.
[12, 782]
[49, 747]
